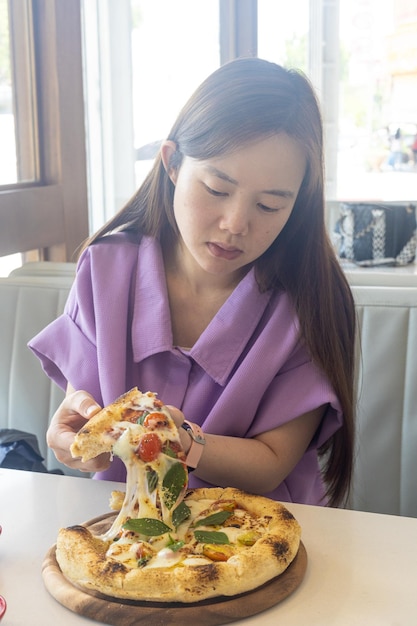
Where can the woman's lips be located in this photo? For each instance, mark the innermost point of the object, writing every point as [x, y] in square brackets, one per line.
[223, 252]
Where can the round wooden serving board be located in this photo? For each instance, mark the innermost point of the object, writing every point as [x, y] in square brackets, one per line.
[214, 612]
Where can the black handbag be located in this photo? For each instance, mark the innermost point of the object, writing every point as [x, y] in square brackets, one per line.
[20, 450]
[376, 234]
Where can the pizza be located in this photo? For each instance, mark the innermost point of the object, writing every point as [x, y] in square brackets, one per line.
[139, 429]
[165, 542]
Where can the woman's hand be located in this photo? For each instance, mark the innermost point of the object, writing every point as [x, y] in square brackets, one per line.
[178, 417]
[72, 414]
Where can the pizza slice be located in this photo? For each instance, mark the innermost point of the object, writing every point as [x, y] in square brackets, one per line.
[138, 428]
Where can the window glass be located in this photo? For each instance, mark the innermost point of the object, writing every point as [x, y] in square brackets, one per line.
[378, 100]
[369, 155]
[283, 31]
[18, 118]
[8, 170]
[175, 45]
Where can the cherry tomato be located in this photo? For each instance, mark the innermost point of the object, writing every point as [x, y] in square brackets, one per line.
[155, 420]
[149, 447]
[217, 553]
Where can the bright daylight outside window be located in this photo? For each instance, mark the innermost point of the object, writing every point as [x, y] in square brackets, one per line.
[8, 166]
[377, 99]
[283, 32]
[170, 57]
[18, 160]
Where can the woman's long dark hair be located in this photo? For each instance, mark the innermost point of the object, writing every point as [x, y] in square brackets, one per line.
[243, 101]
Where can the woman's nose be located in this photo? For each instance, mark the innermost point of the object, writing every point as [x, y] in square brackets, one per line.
[235, 218]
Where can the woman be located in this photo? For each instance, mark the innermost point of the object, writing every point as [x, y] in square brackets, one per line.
[216, 287]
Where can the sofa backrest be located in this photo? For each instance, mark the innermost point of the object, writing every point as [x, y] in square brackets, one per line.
[28, 399]
[385, 477]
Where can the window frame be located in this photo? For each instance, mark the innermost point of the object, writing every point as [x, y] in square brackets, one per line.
[51, 213]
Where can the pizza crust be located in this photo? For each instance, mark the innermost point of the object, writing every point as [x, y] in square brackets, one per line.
[96, 436]
[82, 559]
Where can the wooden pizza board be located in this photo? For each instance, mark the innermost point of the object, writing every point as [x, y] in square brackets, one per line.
[212, 612]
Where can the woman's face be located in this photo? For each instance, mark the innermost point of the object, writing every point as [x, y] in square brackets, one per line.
[229, 209]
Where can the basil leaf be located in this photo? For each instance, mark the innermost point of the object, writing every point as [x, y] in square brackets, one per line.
[174, 545]
[180, 514]
[213, 520]
[170, 452]
[211, 536]
[147, 526]
[141, 417]
[174, 482]
[152, 479]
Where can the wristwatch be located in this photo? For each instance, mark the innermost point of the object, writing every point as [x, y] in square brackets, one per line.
[197, 443]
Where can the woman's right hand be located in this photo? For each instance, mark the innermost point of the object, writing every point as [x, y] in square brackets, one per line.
[75, 410]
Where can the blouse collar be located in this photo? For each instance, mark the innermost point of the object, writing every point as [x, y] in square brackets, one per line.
[222, 342]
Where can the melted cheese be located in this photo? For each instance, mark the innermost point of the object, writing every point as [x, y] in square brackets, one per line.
[125, 552]
[160, 554]
[165, 558]
[139, 500]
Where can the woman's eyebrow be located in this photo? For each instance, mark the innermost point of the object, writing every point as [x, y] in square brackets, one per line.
[281, 193]
[213, 170]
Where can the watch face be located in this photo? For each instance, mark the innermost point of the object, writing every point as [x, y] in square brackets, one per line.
[195, 432]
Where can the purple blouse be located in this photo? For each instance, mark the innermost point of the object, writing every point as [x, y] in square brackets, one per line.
[247, 373]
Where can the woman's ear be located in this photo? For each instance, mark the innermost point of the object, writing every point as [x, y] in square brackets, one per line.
[168, 149]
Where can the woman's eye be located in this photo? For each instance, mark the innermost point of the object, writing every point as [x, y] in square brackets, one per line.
[267, 209]
[214, 192]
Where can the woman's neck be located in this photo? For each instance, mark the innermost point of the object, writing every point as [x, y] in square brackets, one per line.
[180, 265]
[195, 296]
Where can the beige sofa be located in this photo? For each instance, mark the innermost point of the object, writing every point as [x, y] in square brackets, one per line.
[29, 299]
[385, 477]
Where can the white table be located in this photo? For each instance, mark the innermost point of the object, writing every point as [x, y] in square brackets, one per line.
[362, 567]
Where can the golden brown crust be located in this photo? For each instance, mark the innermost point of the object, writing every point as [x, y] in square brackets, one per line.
[95, 438]
[82, 559]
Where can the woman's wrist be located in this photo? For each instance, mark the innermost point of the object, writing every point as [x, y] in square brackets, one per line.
[198, 442]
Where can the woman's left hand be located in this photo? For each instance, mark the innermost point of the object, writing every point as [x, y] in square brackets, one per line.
[178, 417]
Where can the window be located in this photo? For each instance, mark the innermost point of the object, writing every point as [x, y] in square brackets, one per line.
[168, 63]
[361, 55]
[283, 36]
[43, 200]
[8, 172]
[19, 156]
[378, 107]
[165, 48]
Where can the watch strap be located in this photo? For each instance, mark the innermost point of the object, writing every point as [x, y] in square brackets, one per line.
[197, 443]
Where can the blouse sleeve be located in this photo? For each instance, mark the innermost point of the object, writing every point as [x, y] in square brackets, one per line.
[294, 392]
[66, 348]
[86, 346]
